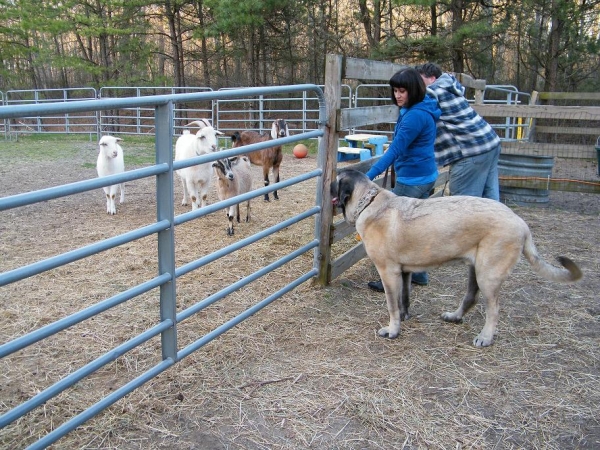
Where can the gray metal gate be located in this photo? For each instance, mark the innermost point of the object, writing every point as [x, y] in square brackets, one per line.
[163, 229]
[69, 122]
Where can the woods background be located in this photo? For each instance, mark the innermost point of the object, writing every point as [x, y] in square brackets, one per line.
[547, 45]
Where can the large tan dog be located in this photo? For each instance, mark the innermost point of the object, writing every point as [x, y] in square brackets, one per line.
[403, 235]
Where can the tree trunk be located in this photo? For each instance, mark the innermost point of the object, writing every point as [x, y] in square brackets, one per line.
[372, 25]
[556, 27]
[203, 45]
[457, 47]
[173, 19]
[433, 17]
[64, 81]
[262, 50]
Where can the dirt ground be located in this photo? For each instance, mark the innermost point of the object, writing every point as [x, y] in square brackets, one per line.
[308, 371]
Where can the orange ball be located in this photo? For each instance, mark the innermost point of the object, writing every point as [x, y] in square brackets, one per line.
[300, 151]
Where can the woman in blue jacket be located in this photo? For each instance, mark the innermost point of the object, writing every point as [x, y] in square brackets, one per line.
[411, 150]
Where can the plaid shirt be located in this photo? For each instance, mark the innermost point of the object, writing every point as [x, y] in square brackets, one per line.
[461, 132]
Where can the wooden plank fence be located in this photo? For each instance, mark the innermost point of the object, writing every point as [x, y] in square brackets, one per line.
[577, 114]
[556, 140]
[338, 68]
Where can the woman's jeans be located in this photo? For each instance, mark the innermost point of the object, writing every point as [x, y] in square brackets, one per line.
[420, 191]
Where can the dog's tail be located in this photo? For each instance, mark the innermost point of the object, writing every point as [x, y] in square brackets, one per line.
[568, 273]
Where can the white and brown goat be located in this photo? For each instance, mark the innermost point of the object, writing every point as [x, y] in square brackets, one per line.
[234, 177]
[268, 158]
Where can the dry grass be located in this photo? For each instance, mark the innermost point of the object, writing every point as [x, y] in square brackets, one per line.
[309, 370]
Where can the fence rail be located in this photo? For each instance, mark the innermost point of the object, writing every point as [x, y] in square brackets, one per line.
[569, 133]
[529, 113]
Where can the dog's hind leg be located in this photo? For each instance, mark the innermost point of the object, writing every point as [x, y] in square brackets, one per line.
[468, 301]
[502, 260]
[492, 311]
[489, 283]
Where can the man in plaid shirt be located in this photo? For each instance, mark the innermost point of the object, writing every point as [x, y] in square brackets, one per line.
[464, 141]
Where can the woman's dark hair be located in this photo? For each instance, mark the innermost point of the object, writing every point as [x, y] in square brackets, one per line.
[410, 80]
[429, 70]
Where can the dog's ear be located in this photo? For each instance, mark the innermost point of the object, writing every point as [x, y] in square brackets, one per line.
[345, 189]
[333, 189]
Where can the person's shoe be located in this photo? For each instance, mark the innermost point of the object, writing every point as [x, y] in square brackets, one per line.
[376, 286]
[420, 279]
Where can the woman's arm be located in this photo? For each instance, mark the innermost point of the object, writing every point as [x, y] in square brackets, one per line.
[408, 129]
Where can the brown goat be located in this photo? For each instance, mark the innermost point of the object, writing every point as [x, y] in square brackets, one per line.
[267, 158]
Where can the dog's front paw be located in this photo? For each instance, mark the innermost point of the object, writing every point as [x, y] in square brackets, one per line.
[482, 340]
[451, 317]
[386, 333]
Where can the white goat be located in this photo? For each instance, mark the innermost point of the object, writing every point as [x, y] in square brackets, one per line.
[196, 179]
[110, 162]
[234, 177]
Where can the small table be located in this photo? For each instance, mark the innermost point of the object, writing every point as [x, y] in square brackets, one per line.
[376, 140]
[359, 146]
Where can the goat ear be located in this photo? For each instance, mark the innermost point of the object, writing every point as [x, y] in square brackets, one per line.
[215, 164]
[233, 160]
[118, 139]
[274, 130]
[220, 133]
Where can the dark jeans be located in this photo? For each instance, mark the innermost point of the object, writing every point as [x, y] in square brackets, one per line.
[476, 176]
[419, 191]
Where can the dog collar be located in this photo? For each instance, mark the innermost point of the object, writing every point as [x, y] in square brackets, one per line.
[365, 201]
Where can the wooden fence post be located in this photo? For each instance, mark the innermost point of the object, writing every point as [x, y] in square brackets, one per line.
[333, 87]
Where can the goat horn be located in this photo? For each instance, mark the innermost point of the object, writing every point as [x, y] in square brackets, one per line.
[199, 123]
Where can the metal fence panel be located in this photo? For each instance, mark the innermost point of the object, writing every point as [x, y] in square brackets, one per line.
[163, 229]
[84, 122]
[300, 111]
[513, 128]
[141, 120]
